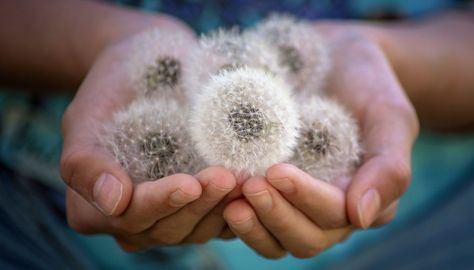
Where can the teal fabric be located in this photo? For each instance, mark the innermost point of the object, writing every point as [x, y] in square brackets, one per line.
[30, 137]
[106, 254]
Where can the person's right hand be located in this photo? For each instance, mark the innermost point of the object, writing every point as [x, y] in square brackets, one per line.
[289, 210]
[100, 195]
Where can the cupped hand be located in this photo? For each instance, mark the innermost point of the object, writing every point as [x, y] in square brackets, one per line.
[364, 81]
[100, 195]
[290, 211]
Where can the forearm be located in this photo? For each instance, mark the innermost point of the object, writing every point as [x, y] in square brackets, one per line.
[52, 44]
[434, 61]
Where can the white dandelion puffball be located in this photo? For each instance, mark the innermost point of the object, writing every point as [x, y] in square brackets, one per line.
[224, 50]
[328, 146]
[150, 141]
[300, 49]
[156, 64]
[246, 120]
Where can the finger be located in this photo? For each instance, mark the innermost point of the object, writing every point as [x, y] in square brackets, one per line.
[385, 174]
[86, 219]
[323, 203]
[176, 228]
[216, 182]
[154, 200]
[244, 223]
[143, 241]
[92, 173]
[210, 226]
[297, 234]
[85, 165]
[213, 221]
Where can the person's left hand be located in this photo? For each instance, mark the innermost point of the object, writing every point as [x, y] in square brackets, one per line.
[304, 216]
[290, 211]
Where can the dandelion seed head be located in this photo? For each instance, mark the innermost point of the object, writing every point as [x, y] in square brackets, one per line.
[245, 120]
[300, 49]
[328, 146]
[227, 50]
[150, 140]
[156, 63]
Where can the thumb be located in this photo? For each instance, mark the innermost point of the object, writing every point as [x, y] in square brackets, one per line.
[385, 174]
[376, 185]
[89, 170]
[86, 166]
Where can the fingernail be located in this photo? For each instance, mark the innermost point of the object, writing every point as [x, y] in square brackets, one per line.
[178, 198]
[262, 200]
[284, 185]
[243, 227]
[107, 193]
[368, 207]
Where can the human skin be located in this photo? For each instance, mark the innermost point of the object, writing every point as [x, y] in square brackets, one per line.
[378, 70]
